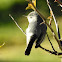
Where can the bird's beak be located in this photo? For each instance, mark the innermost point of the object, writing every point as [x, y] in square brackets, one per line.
[24, 15]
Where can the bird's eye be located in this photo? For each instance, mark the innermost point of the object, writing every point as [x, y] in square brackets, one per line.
[30, 17]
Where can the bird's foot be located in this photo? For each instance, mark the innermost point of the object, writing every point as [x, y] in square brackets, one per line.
[37, 46]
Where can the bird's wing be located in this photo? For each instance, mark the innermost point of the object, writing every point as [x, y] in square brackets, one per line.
[40, 39]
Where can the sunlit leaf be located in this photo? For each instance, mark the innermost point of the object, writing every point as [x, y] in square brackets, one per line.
[50, 18]
[30, 5]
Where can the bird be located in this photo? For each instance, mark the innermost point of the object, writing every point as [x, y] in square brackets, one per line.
[35, 33]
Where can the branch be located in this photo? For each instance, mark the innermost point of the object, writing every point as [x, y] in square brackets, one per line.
[17, 24]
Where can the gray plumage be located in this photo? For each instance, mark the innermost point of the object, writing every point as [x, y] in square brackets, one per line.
[35, 31]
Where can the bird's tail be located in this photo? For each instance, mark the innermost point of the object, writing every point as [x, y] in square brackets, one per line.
[28, 49]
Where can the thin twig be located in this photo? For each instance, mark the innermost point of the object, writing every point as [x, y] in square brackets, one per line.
[58, 2]
[51, 43]
[17, 24]
[55, 53]
[57, 27]
[42, 23]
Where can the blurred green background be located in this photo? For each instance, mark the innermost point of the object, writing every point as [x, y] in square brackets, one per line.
[15, 40]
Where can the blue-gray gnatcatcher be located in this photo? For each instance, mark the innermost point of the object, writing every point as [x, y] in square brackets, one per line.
[35, 31]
